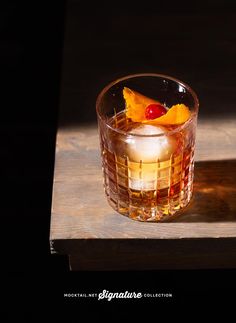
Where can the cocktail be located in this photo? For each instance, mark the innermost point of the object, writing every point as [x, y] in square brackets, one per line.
[147, 125]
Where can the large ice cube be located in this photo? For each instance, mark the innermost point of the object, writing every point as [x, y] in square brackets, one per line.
[149, 149]
[144, 153]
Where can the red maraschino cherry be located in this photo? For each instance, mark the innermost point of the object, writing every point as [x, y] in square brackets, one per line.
[154, 111]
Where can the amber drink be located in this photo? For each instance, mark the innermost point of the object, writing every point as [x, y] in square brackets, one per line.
[148, 164]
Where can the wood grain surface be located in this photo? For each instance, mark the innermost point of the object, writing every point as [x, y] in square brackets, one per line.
[81, 214]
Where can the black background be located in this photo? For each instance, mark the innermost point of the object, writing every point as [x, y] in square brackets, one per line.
[193, 41]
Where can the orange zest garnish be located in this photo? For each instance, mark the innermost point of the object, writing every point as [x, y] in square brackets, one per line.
[136, 104]
[176, 115]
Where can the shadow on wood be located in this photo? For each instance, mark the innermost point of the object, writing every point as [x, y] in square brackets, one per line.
[214, 198]
[138, 254]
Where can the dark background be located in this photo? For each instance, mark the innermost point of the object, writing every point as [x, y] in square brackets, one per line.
[60, 54]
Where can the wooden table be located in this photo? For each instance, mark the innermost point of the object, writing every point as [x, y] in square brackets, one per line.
[95, 237]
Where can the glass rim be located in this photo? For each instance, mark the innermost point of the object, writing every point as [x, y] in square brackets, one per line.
[194, 113]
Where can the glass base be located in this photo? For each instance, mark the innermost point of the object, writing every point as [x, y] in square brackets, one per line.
[159, 213]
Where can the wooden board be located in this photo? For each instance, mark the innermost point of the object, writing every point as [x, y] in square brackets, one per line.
[85, 227]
